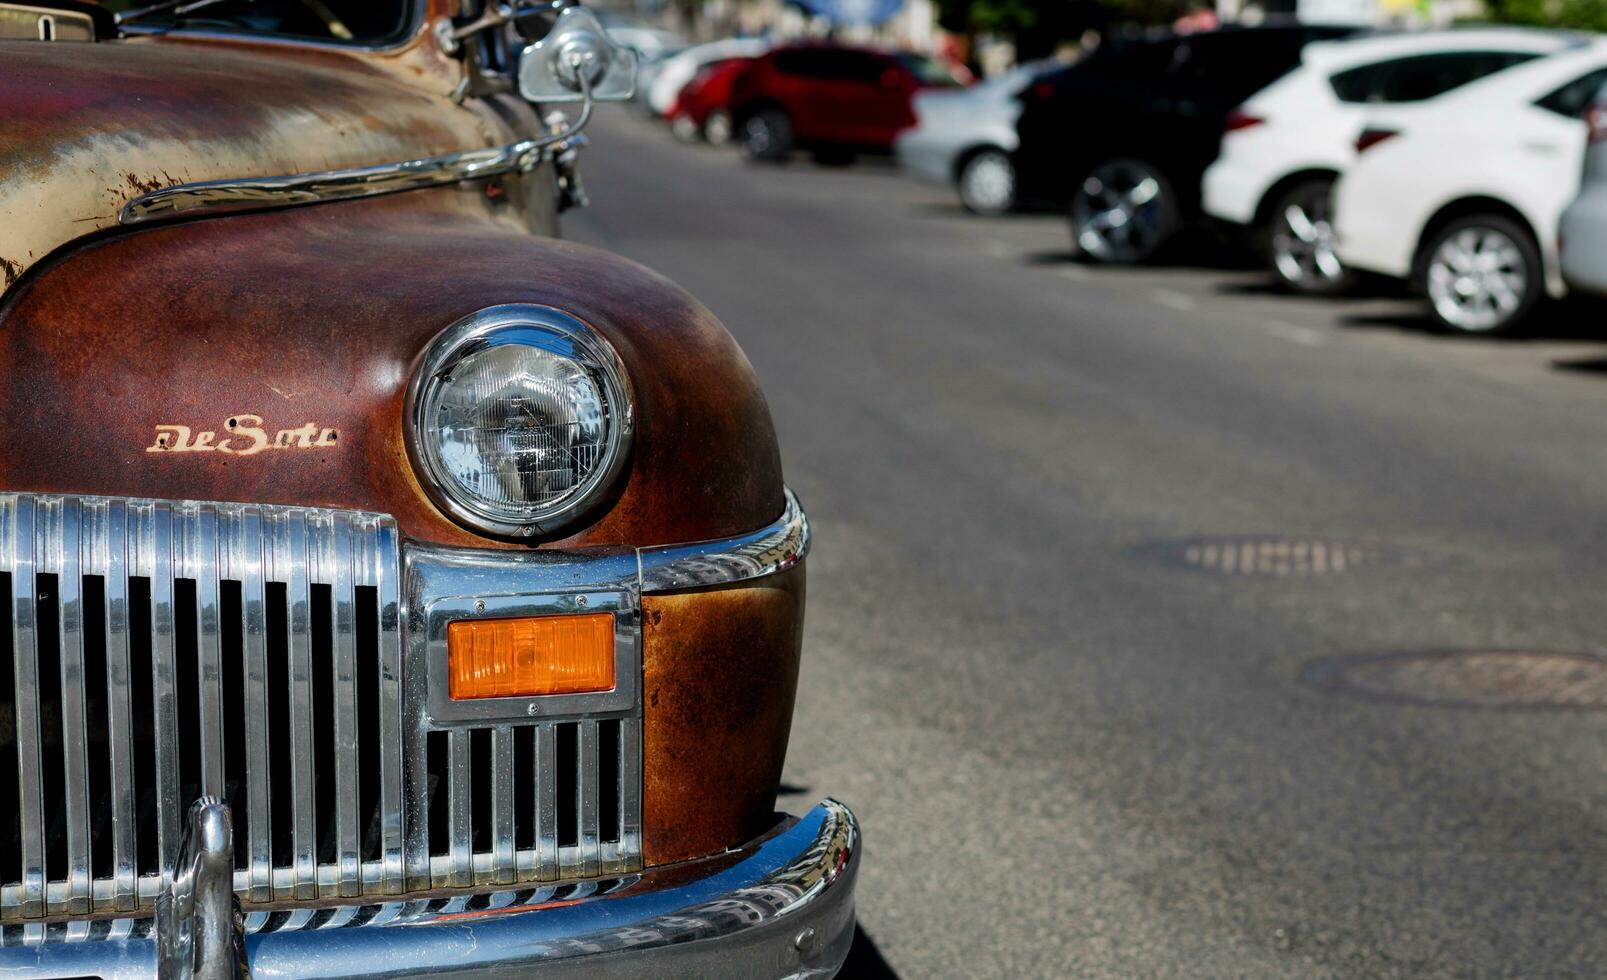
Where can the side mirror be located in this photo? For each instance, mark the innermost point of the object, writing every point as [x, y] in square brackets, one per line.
[577, 61]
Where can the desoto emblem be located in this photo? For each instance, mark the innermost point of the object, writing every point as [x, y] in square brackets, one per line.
[243, 435]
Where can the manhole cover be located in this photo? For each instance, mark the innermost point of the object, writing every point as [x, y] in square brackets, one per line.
[1272, 557]
[1478, 678]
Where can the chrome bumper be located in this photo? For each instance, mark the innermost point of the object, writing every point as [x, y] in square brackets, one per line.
[783, 906]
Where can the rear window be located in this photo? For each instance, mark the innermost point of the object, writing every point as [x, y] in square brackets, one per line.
[845, 64]
[1422, 76]
[1237, 65]
[1571, 99]
[927, 70]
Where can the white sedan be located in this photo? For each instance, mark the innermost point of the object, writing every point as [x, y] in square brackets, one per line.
[1285, 147]
[1464, 200]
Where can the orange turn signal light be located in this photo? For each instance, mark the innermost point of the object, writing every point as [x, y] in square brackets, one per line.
[529, 657]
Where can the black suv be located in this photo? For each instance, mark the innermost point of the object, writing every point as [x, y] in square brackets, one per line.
[1124, 135]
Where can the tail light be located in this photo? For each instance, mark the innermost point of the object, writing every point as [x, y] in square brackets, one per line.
[1596, 119]
[1239, 119]
[1036, 92]
[1371, 137]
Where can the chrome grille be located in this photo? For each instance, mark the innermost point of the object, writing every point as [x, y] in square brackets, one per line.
[152, 651]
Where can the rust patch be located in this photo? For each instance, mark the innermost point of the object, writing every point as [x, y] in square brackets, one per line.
[144, 185]
[719, 675]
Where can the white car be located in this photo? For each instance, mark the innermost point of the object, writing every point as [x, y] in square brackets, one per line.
[1285, 147]
[1464, 200]
[673, 74]
[964, 137]
[1582, 237]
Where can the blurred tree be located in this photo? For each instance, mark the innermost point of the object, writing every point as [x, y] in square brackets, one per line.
[1038, 27]
[1584, 15]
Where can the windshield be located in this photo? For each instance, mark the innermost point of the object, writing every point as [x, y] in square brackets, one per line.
[363, 22]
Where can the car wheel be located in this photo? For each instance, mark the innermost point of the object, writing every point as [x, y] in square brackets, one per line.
[684, 128]
[987, 183]
[717, 128]
[1482, 274]
[1300, 239]
[767, 135]
[1123, 211]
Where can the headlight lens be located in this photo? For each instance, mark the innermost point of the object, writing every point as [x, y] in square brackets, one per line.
[519, 419]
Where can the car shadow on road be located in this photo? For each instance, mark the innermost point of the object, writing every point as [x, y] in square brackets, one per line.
[865, 961]
[1571, 320]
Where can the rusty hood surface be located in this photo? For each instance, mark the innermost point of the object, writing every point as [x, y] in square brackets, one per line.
[84, 128]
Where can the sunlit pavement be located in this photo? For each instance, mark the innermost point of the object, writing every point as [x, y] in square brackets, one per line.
[1079, 742]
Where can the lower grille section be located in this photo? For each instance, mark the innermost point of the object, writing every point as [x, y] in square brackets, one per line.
[155, 651]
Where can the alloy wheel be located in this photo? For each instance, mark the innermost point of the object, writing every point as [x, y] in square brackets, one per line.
[1303, 240]
[987, 183]
[717, 128]
[1122, 212]
[1478, 279]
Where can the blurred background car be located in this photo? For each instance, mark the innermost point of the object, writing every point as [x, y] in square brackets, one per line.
[834, 99]
[1582, 238]
[965, 137]
[1284, 148]
[1123, 136]
[1464, 200]
[702, 110]
[676, 71]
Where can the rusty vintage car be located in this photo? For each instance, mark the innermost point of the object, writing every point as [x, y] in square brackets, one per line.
[387, 586]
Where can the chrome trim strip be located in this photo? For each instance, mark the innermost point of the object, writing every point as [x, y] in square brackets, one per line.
[764, 552]
[257, 193]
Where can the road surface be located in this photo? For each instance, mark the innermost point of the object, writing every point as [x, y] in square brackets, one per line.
[1085, 742]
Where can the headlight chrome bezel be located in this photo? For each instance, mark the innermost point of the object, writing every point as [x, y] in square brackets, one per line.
[503, 324]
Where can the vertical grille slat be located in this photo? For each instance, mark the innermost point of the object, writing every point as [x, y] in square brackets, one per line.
[106, 556]
[200, 550]
[244, 563]
[18, 520]
[385, 576]
[460, 808]
[547, 801]
[293, 571]
[344, 698]
[589, 798]
[152, 651]
[501, 776]
[155, 563]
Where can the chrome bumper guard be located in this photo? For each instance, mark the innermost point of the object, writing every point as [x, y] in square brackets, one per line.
[782, 906]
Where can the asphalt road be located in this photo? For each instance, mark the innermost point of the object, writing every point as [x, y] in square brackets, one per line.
[1074, 753]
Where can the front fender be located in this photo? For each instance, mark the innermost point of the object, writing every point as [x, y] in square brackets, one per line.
[312, 320]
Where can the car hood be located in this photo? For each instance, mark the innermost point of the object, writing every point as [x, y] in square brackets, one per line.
[88, 127]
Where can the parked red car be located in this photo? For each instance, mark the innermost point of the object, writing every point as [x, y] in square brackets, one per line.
[703, 109]
[833, 99]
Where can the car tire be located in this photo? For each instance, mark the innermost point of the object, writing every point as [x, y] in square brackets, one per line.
[767, 135]
[1482, 274]
[684, 128]
[717, 129]
[986, 183]
[1299, 238]
[1123, 211]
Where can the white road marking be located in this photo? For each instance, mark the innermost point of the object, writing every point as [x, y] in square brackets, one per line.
[1075, 273]
[1305, 336]
[1182, 302]
[998, 249]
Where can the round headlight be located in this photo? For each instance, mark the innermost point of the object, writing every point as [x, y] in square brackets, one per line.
[518, 419]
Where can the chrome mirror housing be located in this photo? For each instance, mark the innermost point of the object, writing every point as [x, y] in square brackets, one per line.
[577, 62]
